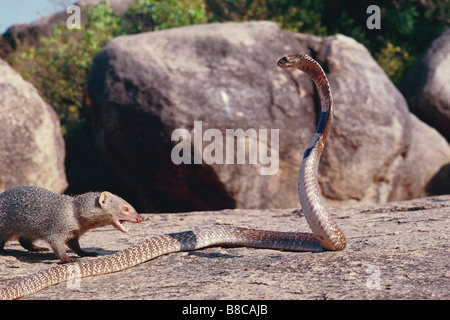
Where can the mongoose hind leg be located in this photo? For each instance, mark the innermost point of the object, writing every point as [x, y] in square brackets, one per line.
[28, 244]
[75, 246]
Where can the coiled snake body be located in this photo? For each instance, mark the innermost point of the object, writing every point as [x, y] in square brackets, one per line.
[326, 233]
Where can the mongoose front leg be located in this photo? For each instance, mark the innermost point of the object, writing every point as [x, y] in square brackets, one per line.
[28, 244]
[75, 246]
[60, 250]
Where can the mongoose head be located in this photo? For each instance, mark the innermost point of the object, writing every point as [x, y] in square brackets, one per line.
[119, 209]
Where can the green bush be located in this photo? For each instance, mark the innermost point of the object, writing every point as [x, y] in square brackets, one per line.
[150, 15]
[394, 60]
[59, 66]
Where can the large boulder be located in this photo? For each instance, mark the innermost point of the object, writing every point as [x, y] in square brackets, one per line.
[148, 90]
[426, 86]
[378, 151]
[31, 143]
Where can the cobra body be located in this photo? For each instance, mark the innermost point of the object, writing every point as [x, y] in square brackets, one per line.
[322, 225]
[326, 233]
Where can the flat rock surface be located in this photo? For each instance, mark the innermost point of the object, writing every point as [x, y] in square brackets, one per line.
[395, 251]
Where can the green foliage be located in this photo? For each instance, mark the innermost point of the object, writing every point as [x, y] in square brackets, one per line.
[301, 16]
[394, 61]
[60, 65]
[150, 15]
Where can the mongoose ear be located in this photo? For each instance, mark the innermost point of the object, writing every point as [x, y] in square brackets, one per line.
[103, 197]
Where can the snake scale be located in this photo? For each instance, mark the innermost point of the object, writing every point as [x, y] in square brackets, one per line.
[326, 233]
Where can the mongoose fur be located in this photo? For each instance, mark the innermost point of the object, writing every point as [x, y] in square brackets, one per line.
[32, 213]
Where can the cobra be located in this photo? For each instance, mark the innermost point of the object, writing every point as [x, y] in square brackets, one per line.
[326, 234]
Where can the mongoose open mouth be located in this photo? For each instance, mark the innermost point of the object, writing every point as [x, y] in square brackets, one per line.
[119, 225]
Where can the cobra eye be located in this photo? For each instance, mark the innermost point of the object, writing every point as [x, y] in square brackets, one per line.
[125, 209]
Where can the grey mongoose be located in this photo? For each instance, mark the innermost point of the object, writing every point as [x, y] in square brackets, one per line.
[30, 213]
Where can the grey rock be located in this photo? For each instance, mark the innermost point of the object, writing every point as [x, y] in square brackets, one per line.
[31, 143]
